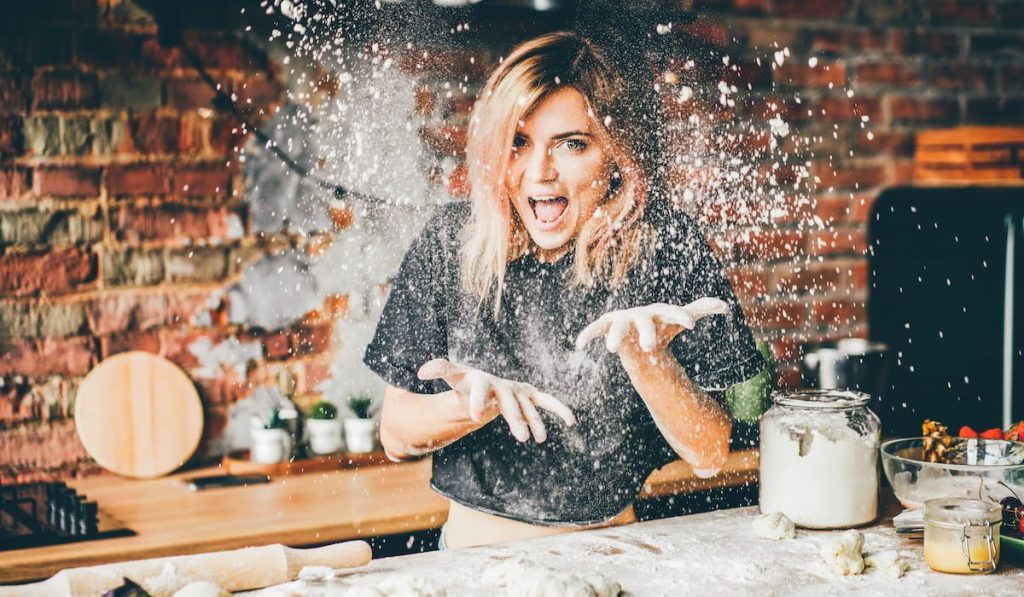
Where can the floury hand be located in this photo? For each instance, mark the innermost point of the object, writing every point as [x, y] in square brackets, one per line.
[488, 396]
[656, 325]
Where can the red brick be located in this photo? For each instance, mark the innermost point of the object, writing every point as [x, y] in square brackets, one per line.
[781, 315]
[124, 311]
[31, 452]
[15, 182]
[787, 349]
[189, 93]
[41, 358]
[860, 276]
[12, 139]
[962, 76]
[920, 109]
[226, 135]
[221, 390]
[157, 135]
[795, 74]
[447, 140]
[931, 43]
[788, 377]
[748, 282]
[838, 313]
[832, 208]
[744, 72]
[768, 244]
[56, 272]
[458, 106]
[862, 206]
[13, 93]
[277, 346]
[79, 181]
[170, 222]
[845, 40]
[849, 176]
[258, 93]
[176, 345]
[223, 52]
[960, 13]
[64, 91]
[879, 142]
[138, 179]
[458, 182]
[887, 73]
[901, 172]
[838, 241]
[815, 278]
[812, 8]
[313, 340]
[426, 100]
[184, 305]
[839, 108]
[710, 33]
[201, 181]
[117, 343]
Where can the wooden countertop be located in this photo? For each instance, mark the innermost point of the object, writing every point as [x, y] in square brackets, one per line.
[295, 510]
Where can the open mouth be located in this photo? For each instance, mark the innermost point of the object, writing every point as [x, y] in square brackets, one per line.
[547, 210]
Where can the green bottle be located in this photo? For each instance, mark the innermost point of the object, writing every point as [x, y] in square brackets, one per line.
[749, 399]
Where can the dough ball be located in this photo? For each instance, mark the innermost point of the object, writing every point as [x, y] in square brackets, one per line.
[524, 579]
[202, 588]
[842, 553]
[775, 526]
[889, 563]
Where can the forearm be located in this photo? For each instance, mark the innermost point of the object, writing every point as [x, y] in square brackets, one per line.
[412, 425]
[695, 425]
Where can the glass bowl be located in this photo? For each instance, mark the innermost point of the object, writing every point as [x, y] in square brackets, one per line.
[988, 469]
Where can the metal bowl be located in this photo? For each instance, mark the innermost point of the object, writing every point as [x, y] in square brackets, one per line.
[987, 469]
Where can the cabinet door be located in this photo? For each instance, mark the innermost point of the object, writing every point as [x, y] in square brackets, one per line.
[938, 297]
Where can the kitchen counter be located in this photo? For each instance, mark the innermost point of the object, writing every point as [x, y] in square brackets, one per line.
[296, 510]
[712, 553]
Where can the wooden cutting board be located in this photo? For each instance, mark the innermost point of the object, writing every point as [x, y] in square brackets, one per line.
[138, 415]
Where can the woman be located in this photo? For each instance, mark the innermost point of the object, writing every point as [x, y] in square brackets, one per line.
[485, 339]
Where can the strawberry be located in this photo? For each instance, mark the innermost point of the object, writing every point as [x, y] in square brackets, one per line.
[994, 433]
[966, 431]
[1015, 433]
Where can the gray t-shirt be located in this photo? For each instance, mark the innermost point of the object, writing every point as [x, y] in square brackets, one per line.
[590, 472]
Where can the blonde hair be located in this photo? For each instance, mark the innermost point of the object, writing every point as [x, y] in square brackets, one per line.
[610, 241]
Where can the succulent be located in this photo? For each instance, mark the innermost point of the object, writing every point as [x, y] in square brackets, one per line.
[360, 405]
[323, 410]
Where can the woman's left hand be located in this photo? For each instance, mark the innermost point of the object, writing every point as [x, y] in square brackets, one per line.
[651, 327]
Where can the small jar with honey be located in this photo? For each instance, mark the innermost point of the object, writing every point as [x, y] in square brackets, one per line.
[961, 536]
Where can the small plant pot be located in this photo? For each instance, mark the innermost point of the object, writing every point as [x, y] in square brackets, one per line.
[270, 446]
[324, 435]
[361, 435]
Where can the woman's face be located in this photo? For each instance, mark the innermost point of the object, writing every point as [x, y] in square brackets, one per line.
[558, 172]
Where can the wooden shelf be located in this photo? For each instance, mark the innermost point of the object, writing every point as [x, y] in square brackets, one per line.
[238, 463]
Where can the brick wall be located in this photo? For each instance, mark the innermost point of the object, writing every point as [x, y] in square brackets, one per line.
[121, 218]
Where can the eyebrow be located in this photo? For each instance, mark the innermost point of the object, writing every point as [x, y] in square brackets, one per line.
[561, 136]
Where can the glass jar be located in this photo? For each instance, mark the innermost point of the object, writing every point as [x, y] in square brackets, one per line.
[819, 458]
[961, 535]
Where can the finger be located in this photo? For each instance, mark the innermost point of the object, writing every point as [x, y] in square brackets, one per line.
[540, 433]
[478, 390]
[512, 413]
[440, 369]
[680, 317]
[645, 331]
[707, 305]
[552, 404]
[595, 329]
[617, 331]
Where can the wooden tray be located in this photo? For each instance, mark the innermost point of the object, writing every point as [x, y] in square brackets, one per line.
[238, 463]
[970, 154]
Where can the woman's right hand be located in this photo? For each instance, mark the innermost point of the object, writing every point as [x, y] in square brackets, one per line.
[488, 396]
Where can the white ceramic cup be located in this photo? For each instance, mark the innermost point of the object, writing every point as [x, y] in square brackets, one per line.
[324, 435]
[270, 446]
[361, 434]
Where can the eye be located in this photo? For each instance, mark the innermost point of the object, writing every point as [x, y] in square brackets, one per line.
[518, 141]
[575, 145]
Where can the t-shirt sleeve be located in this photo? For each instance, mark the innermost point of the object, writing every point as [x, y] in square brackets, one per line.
[412, 328]
[720, 351]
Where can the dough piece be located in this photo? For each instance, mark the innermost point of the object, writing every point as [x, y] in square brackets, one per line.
[889, 563]
[775, 526]
[524, 579]
[842, 553]
[167, 582]
[202, 588]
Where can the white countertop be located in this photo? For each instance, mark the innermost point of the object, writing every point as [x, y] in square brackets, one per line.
[712, 553]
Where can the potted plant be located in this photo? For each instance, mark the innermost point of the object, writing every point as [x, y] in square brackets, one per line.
[324, 428]
[271, 442]
[361, 429]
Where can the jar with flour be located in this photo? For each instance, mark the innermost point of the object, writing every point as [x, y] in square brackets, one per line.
[819, 459]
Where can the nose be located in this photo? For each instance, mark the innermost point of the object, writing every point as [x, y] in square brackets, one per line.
[540, 166]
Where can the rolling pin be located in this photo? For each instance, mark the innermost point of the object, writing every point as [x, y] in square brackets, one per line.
[236, 570]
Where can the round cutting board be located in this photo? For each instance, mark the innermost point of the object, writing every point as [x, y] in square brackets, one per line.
[138, 415]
